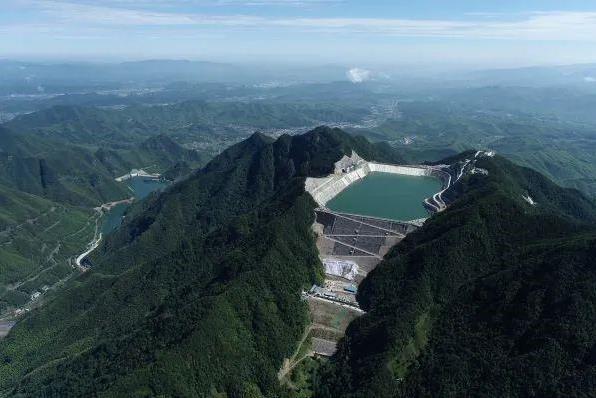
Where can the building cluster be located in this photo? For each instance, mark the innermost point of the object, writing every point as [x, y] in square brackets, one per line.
[347, 294]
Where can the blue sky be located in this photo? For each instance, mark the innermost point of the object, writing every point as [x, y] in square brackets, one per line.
[364, 32]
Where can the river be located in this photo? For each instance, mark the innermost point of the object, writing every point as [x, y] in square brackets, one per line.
[140, 188]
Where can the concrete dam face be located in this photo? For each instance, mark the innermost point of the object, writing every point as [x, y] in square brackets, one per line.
[387, 195]
[360, 216]
[386, 182]
[352, 242]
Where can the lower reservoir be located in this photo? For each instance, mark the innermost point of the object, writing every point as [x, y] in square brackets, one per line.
[393, 196]
[140, 187]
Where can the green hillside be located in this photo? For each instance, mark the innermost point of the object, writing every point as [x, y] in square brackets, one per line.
[561, 149]
[80, 175]
[492, 298]
[38, 239]
[48, 188]
[198, 293]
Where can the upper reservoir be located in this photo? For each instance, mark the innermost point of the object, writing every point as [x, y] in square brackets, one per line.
[385, 195]
[140, 187]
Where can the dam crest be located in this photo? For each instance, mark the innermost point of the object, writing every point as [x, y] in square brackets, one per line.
[349, 170]
[352, 244]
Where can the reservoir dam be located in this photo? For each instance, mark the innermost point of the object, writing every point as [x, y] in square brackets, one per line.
[364, 209]
[352, 169]
[385, 195]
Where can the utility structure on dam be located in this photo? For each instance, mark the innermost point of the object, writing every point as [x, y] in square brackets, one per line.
[356, 239]
[351, 169]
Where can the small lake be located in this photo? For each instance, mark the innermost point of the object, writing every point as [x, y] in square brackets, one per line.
[139, 188]
[385, 195]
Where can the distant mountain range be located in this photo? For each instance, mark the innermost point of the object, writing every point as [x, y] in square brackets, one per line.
[577, 75]
[37, 77]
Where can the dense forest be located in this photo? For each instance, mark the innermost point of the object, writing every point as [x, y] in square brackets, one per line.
[198, 293]
[50, 181]
[492, 298]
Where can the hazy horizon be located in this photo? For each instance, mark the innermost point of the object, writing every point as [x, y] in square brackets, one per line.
[462, 34]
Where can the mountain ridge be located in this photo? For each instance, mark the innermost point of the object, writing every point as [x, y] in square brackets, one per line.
[216, 244]
[482, 261]
[198, 293]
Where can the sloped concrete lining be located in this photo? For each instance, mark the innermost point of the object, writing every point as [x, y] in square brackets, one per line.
[363, 240]
[326, 188]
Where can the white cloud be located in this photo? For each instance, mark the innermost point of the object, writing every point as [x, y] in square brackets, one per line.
[357, 75]
[87, 13]
[293, 3]
[590, 79]
[553, 26]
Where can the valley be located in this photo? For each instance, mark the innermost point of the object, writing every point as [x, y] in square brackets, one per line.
[244, 261]
[352, 239]
[106, 219]
[297, 199]
[111, 215]
[207, 239]
[140, 187]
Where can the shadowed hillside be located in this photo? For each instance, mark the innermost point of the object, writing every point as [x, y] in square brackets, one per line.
[494, 297]
[198, 293]
[212, 268]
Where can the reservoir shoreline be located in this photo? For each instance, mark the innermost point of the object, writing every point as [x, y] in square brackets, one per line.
[389, 196]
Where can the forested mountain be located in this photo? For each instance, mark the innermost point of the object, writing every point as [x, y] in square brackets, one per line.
[513, 121]
[49, 185]
[65, 159]
[198, 293]
[492, 298]
[92, 125]
[82, 176]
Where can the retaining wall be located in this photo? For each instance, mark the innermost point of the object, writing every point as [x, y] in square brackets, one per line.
[324, 189]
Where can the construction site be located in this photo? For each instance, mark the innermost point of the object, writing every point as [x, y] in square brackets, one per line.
[351, 245]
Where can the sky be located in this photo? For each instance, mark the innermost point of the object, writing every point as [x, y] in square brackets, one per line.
[475, 33]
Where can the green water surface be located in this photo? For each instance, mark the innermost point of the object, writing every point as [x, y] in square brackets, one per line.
[393, 196]
[139, 188]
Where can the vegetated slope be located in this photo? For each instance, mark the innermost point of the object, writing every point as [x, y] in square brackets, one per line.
[159, 153]
[494, 297]
[48, 187]
[36, 238]
[83, 125]
[560, 148]
[198, 293]
[55, 169]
